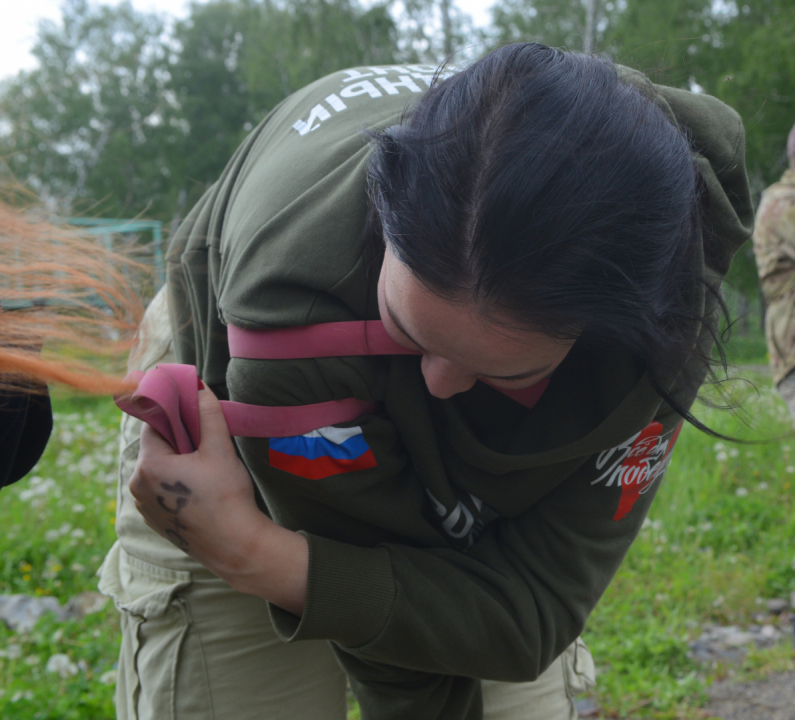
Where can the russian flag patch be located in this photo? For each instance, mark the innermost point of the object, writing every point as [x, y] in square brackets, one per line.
[321, 453]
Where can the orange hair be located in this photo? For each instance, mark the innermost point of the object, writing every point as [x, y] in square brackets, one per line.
[68, 294]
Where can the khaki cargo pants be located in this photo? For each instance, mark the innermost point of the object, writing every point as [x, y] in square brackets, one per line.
[195, 649]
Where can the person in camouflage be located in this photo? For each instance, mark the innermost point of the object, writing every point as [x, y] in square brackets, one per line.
[774, 247]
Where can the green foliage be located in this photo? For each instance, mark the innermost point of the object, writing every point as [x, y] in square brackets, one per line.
[89, 648]
[739, 53]
[91, 123]
[122, 119]
[290, 44]
[780, 581]
[559, 23]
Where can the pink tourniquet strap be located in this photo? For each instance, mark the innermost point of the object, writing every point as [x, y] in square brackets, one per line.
[335, 339]
[167, 399]
[167, 396]
[338, 339]
[271, 421]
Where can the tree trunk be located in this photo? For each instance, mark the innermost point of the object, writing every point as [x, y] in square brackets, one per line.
[447, 30]
[589, 41]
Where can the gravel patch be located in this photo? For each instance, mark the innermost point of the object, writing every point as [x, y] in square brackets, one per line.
[769, 699]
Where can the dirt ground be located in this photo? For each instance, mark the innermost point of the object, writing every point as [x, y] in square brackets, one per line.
[770, 699]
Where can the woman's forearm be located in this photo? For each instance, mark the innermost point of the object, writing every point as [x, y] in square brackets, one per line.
[273, 565]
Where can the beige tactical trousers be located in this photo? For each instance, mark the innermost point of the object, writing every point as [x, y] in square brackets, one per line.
[195, 649]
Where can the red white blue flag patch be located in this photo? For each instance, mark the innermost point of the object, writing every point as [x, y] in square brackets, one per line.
[321, 453]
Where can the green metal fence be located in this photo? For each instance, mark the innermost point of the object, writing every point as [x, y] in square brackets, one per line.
[107, 228]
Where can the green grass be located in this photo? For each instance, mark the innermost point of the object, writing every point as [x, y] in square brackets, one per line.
[58, 523]
[720, 535]
[750, 349]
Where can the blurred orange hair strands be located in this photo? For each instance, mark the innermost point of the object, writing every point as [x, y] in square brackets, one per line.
[65, 292]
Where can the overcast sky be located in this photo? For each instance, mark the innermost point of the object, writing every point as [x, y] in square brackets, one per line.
[20, 20]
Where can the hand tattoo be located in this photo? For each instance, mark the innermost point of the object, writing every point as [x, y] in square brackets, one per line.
[183, 492]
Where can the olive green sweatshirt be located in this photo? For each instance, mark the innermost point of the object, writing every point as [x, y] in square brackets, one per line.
[483, 534]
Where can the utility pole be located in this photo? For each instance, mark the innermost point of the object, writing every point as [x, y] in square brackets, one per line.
[589, 41]
[447, 30]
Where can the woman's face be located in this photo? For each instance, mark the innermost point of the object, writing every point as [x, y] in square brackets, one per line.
[458, 345]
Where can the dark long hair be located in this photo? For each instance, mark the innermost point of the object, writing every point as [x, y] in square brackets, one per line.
[541, 187]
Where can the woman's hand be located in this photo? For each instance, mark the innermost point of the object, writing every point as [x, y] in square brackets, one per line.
[204, 503]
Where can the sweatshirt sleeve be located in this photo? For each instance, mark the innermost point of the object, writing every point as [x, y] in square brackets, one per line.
[509, 606]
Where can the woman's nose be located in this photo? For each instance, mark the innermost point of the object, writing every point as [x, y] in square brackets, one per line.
[443, 378]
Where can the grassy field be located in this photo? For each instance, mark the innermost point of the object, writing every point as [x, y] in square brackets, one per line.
[721, 534]
[58, 523]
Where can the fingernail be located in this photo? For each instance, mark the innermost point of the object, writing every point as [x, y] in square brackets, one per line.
[201, 384]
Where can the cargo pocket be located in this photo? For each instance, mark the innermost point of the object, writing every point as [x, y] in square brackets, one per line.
[155, 622]
[579, 672]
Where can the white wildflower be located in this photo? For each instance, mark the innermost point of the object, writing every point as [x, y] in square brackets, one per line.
[51, 535]
[762, 486]
[705, 526]
[108, 678]
[32, 660]
[105, 458]
[721, 457]
[789, 469]
[13, 651]
[37, 487]
[741, 492]
[734, 452]
[78, 508]
[61, 664]
[86, 465]
[78, 533]
[717, 447]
